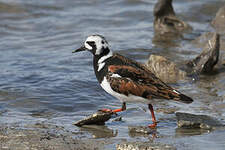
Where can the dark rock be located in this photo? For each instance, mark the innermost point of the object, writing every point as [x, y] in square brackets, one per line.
[186, 120]
[209, 57]
[98, 118]
[219, 21]
[164, 69]
[144, 146]
[165, 20]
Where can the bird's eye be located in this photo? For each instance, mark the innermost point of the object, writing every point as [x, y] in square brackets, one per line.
[91, 43]
[103, 42]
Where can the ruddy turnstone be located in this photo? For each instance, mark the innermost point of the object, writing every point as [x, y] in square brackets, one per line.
[127, 80]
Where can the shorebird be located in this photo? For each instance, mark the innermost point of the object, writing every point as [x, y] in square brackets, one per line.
[126, 79]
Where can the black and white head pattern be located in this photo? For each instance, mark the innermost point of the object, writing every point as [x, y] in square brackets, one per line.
[96, 44]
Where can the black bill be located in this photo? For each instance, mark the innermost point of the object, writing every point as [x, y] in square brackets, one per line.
[82, 48]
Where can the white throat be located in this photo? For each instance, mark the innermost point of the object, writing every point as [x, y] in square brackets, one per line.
[101, 62]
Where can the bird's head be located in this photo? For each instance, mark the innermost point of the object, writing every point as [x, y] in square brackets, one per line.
[96, 44]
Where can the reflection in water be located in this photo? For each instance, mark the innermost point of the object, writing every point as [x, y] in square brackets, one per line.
[182, 132]
[41, 113]
[166, 41]
[11, 8]
[142, 131]
[99, 131]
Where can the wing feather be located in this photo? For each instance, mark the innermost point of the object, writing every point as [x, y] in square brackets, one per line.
[139, 82]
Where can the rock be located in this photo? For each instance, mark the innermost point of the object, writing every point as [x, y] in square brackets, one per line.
[209, 57]
[186, 120]
[165, 20]
[164, 69]
[144, 146]
[219, 21]
[98, 118]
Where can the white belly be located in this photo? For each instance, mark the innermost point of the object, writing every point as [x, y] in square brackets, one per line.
[130, 98]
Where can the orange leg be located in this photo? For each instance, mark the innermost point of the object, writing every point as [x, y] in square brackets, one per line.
[153, 117]
[116, 110]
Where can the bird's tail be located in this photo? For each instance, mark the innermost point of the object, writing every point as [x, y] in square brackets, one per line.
[185, 99]
[177, 96]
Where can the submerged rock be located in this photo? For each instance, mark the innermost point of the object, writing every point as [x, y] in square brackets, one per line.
[140, 131]
[208, 58]
[219, 21]
[165, 20]
[98, 118]
[164, 69]
[186, 120]
[144, 146]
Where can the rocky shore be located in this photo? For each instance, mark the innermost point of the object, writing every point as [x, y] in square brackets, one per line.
[43, 136]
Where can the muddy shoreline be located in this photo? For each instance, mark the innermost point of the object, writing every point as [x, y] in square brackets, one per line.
[45, 136]
[42, 136]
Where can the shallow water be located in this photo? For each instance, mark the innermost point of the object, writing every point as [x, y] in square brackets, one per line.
[41, 80]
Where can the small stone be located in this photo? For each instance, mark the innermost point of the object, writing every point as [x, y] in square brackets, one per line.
[98, 118]
[186, 120]
[144, 146]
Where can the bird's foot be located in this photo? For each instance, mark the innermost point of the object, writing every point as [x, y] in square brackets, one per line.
[152, 126]
[117, 110]
[106, 110]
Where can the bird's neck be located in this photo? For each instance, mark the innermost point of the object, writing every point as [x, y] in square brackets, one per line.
[99, 62]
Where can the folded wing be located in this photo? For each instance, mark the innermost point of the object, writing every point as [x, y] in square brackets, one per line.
[127, 80]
